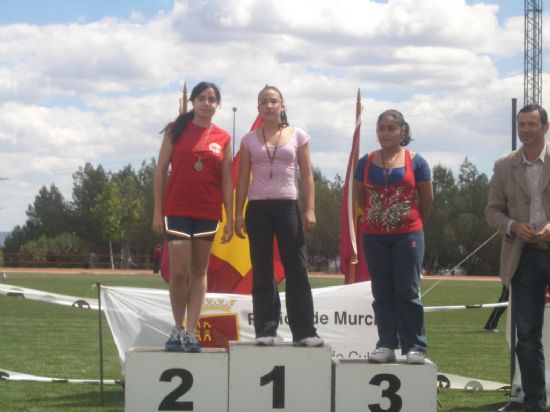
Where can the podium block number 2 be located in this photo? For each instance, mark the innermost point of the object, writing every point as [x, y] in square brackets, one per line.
[170, 401]
[390, 393]
[277, 376]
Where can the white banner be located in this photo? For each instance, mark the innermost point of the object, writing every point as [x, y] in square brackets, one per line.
[8, 375]
[141, 317]
[40, 295]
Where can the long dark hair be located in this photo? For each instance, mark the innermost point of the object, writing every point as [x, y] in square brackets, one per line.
[397, 116]
[284, 120]
[177, 127]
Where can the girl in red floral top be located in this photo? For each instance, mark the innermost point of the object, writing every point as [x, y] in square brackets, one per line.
[393, 187]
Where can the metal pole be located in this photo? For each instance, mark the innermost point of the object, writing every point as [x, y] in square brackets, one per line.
[510, 308]
[514, 123]
[512, 405]
[101, 397]
[234, 112]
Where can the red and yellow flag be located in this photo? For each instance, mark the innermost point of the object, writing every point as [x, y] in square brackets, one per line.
[229, 268]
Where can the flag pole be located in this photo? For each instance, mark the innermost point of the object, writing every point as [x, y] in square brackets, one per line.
[353, 262]
[183, 100]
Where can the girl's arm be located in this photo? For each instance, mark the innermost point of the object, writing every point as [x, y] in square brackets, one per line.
[227, 191]
[159, 181]
[308, 186]
[242, 190]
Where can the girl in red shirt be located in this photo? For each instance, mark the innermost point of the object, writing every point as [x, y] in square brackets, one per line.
[188, 207]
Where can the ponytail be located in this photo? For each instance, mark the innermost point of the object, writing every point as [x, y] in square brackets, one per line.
[177, 127]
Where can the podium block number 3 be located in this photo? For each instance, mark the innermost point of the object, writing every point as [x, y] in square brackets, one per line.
[390, 393]
[170, 401]
[277, 376]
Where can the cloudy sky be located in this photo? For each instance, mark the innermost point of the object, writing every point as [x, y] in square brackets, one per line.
[95, 81]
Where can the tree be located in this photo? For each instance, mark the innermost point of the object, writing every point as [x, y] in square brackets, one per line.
[13, 242]
[143, 237]
[472, 227]
[132, 194]
[456, 226]
[323, 242]
[115, 217]
[63, 250]
[439, 228]
[49, 214]
[88, 183]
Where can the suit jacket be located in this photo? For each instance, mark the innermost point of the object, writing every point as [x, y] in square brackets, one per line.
[509, 198]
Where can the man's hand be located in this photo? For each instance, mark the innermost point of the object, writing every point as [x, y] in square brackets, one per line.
[524, 231]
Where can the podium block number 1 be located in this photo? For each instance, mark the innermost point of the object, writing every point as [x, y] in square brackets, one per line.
[282, 377]
[277, 376]
[170, 401]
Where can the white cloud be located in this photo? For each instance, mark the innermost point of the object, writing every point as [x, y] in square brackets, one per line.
[100, 91]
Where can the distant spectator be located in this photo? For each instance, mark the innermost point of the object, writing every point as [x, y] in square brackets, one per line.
[93, 259]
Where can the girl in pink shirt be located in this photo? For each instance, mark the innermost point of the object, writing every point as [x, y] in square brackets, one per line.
[274, 154]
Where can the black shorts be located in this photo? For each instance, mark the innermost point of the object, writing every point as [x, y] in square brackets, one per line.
[179, 227]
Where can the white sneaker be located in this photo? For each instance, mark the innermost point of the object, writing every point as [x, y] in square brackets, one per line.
[416, 358]
[311, 342]
[265, 341]
[382, 355]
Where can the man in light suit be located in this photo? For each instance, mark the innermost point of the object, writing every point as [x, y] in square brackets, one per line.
[519, 207]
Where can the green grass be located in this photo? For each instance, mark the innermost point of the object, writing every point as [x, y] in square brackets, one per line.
[50, 340]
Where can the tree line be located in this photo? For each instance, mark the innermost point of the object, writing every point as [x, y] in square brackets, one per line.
[110, 215]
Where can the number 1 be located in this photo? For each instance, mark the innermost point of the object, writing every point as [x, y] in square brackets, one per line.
[277, 376]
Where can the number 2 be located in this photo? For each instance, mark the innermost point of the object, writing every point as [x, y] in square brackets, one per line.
[170, 401]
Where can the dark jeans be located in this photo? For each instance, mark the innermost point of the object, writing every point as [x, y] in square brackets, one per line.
[395, 262]
[528, 288]
[279, 218]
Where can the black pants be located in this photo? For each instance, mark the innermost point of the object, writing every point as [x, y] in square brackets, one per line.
[495, 315]
[279, 218]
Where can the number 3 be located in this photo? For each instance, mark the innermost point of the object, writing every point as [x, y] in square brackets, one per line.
[394, 384]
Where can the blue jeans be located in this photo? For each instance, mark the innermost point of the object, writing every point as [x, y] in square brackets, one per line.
[395, 262]
[528, 288]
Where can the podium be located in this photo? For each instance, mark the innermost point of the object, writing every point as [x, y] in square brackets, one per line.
[281, 377]
[275, 378]
[157, 380]
[391, 387]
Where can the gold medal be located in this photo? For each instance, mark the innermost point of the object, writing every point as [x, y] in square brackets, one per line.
[198, 166]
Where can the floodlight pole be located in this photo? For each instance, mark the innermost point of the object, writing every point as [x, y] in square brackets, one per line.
[514, 123]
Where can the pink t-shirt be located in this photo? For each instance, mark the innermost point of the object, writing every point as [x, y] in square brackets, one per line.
[282, 184]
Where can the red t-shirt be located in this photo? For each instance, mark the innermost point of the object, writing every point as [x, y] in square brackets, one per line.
[192, 193]
[391, 208]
